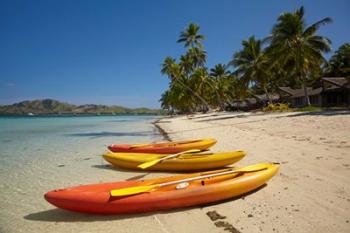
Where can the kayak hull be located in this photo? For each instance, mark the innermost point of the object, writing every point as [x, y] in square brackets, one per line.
[96, 198]
[164, 148]
[186, 162]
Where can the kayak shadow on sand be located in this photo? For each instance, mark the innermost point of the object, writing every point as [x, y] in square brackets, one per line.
[60, 215]
[146, 172]
[140, 174]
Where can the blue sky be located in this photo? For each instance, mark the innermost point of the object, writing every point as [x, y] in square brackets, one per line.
[109, 52]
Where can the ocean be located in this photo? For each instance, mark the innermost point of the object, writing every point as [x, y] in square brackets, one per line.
[38, 154]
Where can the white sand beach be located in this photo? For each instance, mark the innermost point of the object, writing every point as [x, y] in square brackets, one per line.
[311, 192]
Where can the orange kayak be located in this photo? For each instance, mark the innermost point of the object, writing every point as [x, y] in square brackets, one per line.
[98, 199]
[164, 148]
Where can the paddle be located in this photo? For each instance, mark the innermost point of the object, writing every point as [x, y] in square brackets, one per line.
[148, 188]
[154, 162]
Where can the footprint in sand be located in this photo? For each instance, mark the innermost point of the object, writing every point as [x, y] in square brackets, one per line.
[213, 215]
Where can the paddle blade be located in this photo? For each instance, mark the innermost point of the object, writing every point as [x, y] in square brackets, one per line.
[253, 168]
[154, 162]
[148, 164]
[131, 191]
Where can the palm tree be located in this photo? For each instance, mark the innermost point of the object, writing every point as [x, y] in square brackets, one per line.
[339, 64]
[222, 83]
[202, 84]
[238, 89]
[197, 56]
[175, 72]
[194, 58]
[187, 64]
[165, 101]
[294, 43]
[176, 98]
[219, 71]
[190, 36]
[252, 64]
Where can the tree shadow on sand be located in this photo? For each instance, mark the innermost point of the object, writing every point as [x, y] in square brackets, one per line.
[321, 113]
[59, 215]
[223, 118]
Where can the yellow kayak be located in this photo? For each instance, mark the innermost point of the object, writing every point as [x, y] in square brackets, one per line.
[185, 162]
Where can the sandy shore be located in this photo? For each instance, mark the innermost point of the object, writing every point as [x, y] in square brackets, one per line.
[311, 192]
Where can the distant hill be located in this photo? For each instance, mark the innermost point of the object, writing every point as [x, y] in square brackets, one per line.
[54, 107]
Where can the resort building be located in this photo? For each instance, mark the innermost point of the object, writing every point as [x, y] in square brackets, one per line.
[331, 92]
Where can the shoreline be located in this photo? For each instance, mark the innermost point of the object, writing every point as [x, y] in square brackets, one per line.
[161, 131]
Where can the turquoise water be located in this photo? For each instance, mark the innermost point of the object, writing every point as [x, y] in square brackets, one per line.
[38, 154]
[22, 138]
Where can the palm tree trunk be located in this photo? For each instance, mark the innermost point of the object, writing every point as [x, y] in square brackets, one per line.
[300, 67]
[306, 95]
[220, 101]
[267, 95]
[218, 96]
[222, 104]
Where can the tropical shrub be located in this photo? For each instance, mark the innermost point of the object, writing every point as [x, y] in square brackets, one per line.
[279, 107]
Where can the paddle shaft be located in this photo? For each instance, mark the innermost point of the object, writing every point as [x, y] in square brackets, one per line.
[201, 177]
[148, 188]
[177, 154]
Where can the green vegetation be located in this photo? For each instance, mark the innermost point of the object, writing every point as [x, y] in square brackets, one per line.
[308, 109]
[339, 63]
[49, 107]
[298, 48]
[279, 107]
[292, 55]
[252, 64]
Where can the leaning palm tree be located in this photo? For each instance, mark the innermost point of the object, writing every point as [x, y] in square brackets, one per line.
[175, 98]
[202, 84]
[191, 37]
[175, 72]
[252, 64]
[294, 43]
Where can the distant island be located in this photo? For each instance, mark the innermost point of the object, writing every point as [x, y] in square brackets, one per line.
[54, 107]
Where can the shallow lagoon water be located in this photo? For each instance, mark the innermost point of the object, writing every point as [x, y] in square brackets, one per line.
[42, 153]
